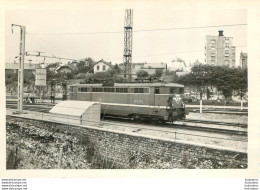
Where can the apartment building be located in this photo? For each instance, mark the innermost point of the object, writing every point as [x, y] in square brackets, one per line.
[243, 60]
[219, 50]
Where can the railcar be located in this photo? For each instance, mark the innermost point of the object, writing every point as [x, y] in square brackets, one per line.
[153, 101]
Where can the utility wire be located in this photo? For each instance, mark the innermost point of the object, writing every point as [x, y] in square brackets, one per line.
[172, 53]
[144, 30]
[43, 44]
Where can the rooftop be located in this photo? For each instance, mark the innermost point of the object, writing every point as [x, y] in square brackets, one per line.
[105, 62]
[73, 108]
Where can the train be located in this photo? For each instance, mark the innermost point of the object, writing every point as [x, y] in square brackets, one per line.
[161, 102]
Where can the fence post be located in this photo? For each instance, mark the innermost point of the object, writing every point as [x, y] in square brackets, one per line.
[60, 157]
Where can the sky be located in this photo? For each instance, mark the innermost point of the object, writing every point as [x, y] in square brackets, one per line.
[99, 33]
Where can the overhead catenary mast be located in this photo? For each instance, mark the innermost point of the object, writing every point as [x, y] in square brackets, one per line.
[21, 67]
[128, 37]
[45, 56]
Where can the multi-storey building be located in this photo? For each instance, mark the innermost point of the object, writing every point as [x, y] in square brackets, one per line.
[243, 60]
[219, 50]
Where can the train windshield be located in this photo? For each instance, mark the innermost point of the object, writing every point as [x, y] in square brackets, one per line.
[176, 90]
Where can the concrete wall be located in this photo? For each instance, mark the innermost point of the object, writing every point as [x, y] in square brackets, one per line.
[120, 148]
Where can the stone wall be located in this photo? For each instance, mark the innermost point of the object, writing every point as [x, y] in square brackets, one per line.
[132, 150]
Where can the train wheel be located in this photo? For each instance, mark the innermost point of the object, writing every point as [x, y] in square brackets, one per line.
[136, 118]
[161, 121]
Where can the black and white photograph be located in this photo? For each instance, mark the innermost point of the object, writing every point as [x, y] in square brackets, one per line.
[126, 88]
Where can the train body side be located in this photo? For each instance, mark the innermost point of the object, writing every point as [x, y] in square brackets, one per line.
[145, 105]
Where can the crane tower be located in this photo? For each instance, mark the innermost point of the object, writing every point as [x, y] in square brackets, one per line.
[128, 36]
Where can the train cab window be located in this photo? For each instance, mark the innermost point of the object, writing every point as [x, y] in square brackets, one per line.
[118, 90]
[83, 89]
[176, 90]
[131, 90]
[72, 89]
[96, 89]
[109, 90]
[146, 90]
[138, 90]
[121, 90]
[173, 90]
[157, 91]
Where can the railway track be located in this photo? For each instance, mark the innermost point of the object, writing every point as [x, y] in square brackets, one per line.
[37, 108]
[187, 122]
[183, 126]
[216, 123]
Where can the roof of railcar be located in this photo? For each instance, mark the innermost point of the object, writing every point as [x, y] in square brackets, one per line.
[149, 84]
[133, 85]
[87, 85]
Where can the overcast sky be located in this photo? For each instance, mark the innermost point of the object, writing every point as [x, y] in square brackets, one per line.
[46, 32]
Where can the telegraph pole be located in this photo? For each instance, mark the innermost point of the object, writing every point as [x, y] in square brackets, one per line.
[21, 67]
[128, 38]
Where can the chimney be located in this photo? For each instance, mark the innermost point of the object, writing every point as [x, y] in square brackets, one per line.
[220, 33]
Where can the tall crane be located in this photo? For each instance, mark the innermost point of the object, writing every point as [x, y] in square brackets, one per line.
[128, 37]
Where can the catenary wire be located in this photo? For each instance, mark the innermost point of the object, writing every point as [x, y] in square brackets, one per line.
[142, 30]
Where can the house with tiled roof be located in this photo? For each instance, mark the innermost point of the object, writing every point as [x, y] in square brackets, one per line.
[102, 66]
[63, 69]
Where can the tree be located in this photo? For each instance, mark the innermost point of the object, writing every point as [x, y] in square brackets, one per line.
[200, 77]
[11, 80]
[107, 78]
[171, 76]
[80, 76]
[158, 73]
[116, 70]
[101, 75]
[186, 80]
[11, 77]
[82, 68]
[222, 78]
[29, 79]
[240, 84]
[90, 61]
[142, 74]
